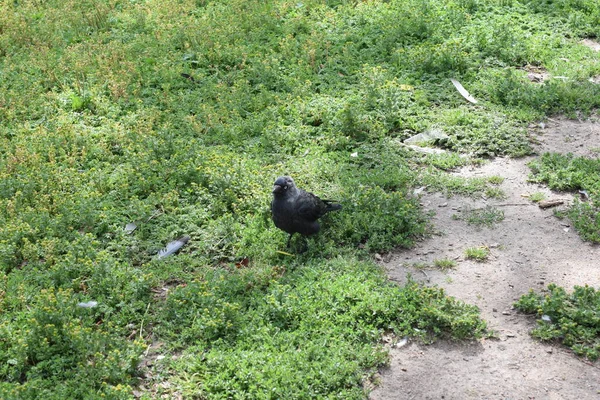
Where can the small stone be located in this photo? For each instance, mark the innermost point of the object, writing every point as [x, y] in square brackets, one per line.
[419, 190]
[378, 257]
[443, 205]
[494, 310]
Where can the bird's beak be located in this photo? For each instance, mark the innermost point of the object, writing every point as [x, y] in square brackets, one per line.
[277, 188]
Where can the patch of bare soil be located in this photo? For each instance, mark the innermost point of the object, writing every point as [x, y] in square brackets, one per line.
[530, 248]
[536, 74]
[592, 44]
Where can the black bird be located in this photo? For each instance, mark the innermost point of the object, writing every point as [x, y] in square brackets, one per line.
[295, 210]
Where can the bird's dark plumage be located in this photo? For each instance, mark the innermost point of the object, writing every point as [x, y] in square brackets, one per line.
[297, 211]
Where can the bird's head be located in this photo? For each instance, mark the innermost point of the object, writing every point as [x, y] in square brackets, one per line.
[282, 185]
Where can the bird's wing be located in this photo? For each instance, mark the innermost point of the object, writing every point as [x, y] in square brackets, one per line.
[309, 207]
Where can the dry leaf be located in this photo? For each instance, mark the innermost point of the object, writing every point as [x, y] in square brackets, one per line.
[243, 263]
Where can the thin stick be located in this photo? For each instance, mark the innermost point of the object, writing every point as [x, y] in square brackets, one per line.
[142, 323]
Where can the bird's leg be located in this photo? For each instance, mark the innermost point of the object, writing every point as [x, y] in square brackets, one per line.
[304, 245]
[289, 242]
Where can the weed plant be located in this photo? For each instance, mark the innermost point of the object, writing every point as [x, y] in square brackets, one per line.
[444, 264]
[487, 216]
[537, 197]
[479, 254]
[566, 172]
[571, 318]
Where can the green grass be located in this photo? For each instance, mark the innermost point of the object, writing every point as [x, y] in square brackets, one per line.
[571, 318]
[537, 197]
[179, 115]
[452, 185]
[487, 216]
[444, 264]
[566, 172]
[479, 254]
[495, 179]
[322, 316]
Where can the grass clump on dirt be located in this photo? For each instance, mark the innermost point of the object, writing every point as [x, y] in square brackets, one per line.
[536, 197]
[487, 216]
[455, 185]
[571, 318]
[478, 254]
[444, 264]
[567, 172]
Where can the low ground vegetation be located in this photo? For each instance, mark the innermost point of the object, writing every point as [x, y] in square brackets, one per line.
[565, 172]
[570, 318]
[479, 254]
[177, 116]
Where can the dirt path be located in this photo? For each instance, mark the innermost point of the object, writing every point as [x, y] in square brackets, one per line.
[530, 249]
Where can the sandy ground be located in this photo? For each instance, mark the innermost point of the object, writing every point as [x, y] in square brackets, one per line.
[530, 248]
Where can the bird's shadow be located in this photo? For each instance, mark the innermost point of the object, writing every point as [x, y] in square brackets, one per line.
[307, 247]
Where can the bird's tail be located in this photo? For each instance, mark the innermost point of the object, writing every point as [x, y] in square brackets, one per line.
[332, 205]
